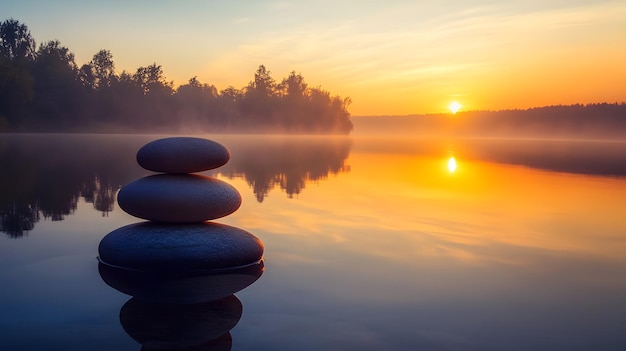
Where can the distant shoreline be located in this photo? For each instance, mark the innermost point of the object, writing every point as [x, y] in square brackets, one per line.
[603, 120]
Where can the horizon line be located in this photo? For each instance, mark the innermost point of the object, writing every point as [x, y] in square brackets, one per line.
[618, 103]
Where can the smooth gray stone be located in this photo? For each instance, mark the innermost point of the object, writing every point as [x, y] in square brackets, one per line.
[182, 155]
[177, 249]
[179, 198]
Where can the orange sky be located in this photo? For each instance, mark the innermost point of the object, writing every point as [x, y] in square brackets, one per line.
[398, 57]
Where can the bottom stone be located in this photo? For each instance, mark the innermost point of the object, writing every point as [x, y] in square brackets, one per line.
[200, 248]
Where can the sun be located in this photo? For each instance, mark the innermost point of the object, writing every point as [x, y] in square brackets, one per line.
[454, 107]
[451, 164]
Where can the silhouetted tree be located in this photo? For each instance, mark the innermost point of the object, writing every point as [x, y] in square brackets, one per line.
[57, 88]
[229, 107]
[16, 42]
[293, 87]
[259, 100]
[124, 99]
[152, 80]
[294, 99]
[156, 109]
[197, 105]
[102, 70]
[17, 51]
[16, 93]
[263, 84]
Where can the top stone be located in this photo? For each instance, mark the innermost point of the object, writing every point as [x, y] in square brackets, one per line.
[182, 155]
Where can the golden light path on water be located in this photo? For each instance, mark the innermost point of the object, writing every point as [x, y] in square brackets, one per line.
[402, 206]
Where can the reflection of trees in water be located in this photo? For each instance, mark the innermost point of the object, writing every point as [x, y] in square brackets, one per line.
[46, 176]
[17, 219]
[286, 162]
[19, 215]
[100, 193]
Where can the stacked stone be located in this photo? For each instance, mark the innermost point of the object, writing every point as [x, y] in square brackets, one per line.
[178, 255]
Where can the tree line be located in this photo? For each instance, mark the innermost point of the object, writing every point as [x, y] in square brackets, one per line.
[43, 89]
[597, 120]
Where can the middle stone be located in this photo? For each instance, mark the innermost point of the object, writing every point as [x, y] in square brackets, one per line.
[179, 198]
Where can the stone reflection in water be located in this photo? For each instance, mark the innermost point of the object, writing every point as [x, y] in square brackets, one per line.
[178, 287]
[181, 271]
[162, 326]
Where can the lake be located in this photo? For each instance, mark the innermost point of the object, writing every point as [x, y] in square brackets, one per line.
[371, 243]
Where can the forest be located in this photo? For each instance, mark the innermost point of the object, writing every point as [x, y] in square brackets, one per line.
[43, 89]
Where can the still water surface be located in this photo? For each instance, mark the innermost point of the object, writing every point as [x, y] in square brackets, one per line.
[371, 243]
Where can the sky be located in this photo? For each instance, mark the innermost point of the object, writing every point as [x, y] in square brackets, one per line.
[396, 57]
